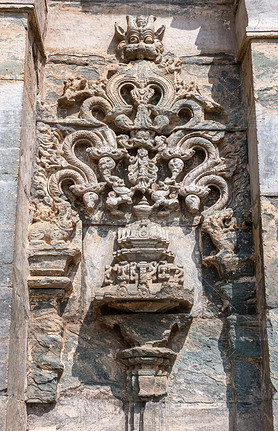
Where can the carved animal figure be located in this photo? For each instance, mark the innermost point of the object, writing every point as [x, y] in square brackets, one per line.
[221, 227]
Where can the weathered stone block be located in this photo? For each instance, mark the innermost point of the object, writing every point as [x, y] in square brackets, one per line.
[3, 403]
[198, 374]
[9, 167]
[265, 67]
[269, 207]
[199, 30]
[45, 344]
[249, 416]
[11, 96]
[8, 190]
[91, 408]
[245, 337]
[272, 333]
[6, 245]
[247, 380]
[12, 45]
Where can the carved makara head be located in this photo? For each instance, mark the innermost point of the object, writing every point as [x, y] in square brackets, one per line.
[140, 29]
[140, 41]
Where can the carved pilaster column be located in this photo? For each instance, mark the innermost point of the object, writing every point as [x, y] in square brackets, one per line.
[257, 37]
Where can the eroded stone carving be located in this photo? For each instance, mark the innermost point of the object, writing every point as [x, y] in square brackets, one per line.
[143, 103]
[222, 228]
[45, 346]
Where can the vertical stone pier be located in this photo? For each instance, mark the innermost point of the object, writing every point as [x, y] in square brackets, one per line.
[22, 28]
[257, 38]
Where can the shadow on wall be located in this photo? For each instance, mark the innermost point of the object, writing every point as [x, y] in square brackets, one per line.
[99, 342]
[95, 357]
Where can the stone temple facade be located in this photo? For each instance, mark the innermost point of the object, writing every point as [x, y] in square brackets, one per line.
[139, 215]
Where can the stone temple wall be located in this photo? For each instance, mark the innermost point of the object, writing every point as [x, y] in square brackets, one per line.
[138, 223]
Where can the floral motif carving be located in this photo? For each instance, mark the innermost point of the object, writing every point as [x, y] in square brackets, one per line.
[149, 108]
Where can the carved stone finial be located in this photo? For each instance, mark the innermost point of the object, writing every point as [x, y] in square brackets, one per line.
[140, 41]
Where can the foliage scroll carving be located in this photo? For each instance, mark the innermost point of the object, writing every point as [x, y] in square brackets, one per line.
[138, 146]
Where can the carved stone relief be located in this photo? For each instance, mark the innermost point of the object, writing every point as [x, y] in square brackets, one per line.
[135, 149]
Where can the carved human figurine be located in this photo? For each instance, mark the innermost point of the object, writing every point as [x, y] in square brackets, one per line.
[108, 277]
[106, 165]
[176, 166]
[178, 277]
[163, 271]
[134, 275]
[193, 203]
[120, 194]
[142, 171]
[123, 273]
[142, 138]
[146, 272]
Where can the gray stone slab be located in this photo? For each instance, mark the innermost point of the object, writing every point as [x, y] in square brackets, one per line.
[8, 192]
[198, 374]
[92, 409]
[265, 69]
[272, 333]
[12, 45]
[11, 99]
[191, 29]
[269, 214]
[245, 337]
[5, 311]
[6, 245]
[6, 273]
[4, 354]
[3, 405]
[9, 161]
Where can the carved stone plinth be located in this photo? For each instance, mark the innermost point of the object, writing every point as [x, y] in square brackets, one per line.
[49, 271]
[148, 359]
[147, 370]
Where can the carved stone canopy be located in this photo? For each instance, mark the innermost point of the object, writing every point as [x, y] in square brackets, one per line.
[144, 276]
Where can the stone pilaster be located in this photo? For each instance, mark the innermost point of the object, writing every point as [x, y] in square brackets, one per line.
[22, 28]
[257, 37]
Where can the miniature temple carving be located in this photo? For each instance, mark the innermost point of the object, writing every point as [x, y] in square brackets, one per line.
[139, 150]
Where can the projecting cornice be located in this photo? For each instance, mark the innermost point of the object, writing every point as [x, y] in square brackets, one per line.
[255, 19]
[37, 12]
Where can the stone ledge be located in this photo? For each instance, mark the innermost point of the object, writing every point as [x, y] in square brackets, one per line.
[251, 35]
[251, 22]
